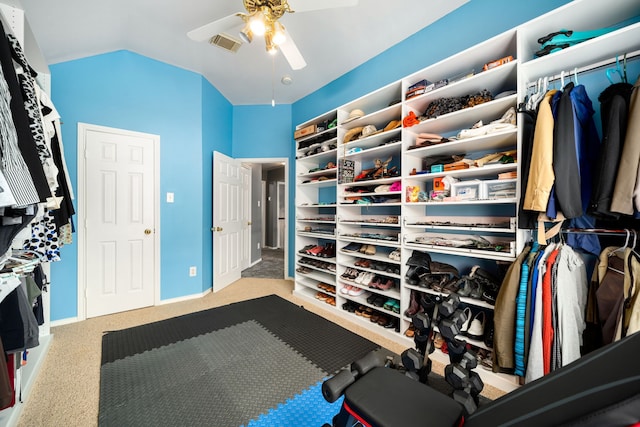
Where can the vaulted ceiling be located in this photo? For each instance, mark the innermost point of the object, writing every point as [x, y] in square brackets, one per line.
[332, 41]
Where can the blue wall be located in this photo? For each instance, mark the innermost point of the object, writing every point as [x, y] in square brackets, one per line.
[125, 90]
[269, 135]
[128, 91]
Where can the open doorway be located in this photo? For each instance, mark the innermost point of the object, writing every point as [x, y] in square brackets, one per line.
[269, 215]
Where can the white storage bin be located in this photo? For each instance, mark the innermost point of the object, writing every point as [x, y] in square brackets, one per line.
[498, 189]
[466, 190]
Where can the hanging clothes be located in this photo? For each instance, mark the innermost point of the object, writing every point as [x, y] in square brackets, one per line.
[565, 159]
[571, 300]
[541, 174]
[21, 122]
[614, 112]
[626, 179]
[504, 317]
[526, 218]
[535, 364]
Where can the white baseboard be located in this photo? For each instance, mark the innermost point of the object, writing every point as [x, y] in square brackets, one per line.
[185, 298]
[62, 322]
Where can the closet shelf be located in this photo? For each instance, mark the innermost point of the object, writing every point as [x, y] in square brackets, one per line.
[377, 257]
[474, 253]
[374, 147]
[319, 157]
[323, 276]
[607, 46]
[498, 141]
[487, 170]
[466, 300]
[464, 119]
[323, 172]
[495, 80]
[316, 235]
[466, 202]
[320, 184]
[370, 183]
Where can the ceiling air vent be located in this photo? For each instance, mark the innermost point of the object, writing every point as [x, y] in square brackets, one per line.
[226, 42]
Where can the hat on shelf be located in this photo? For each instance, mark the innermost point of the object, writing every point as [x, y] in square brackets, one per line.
[369, 130]
[393, 124]
[354, 114]
[352, 134]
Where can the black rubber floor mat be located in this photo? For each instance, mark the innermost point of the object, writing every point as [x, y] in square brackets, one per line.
[326, 344]
[222, 378]
[223, 366]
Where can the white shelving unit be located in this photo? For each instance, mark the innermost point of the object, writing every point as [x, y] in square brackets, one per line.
[376, 212]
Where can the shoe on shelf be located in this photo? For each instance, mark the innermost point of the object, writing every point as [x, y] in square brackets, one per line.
[379, 301]
[465, 325]
[390, 283]
[345, 289]
[352, 247]
[355, 291]
[476, 327]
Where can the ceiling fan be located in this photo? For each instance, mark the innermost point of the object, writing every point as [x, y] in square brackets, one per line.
[262, 19]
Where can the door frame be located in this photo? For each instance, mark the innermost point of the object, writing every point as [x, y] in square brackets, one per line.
[285, 164]
[83, 128]
[250, 208]
[278, 185]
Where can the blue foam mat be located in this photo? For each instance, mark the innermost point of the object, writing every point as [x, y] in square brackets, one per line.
[305, 409]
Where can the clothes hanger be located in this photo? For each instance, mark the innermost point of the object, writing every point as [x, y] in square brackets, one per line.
[617, 71]
[575, 75]
[626, 244]
[536, 96]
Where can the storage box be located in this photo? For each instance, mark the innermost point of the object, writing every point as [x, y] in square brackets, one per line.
[499, 189]
[305, 131]
[466, 190]
[346, 169]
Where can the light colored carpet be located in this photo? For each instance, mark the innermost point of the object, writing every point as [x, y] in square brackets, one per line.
[66, 393]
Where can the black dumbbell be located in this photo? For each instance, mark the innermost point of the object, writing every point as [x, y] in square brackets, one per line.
[466, 400]
[459, 316]
[412, 360]
[449, 328]
[469, 360]
[456, 376]
[475, 383]
[421, 322]
[449, 305]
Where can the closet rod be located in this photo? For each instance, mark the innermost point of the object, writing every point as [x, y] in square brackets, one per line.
[600, 231]
[590, 67]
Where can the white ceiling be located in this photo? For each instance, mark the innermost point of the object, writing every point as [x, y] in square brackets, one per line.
[332, 41]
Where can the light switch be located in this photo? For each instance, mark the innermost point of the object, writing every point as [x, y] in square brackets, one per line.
[169, 197]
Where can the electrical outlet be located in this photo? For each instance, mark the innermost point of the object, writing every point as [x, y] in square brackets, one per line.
[193, 271]
[170, 198]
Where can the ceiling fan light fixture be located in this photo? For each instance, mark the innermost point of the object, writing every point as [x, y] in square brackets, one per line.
[246, 34]
[268, 40]
[257, 23]
[279, 36]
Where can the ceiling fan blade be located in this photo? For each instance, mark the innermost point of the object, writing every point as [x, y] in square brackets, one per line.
[209, 30]
[291, 53]
[309, 5]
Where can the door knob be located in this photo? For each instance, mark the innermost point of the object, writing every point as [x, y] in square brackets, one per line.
[219, 228]
[249, 223]
[147, 231]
